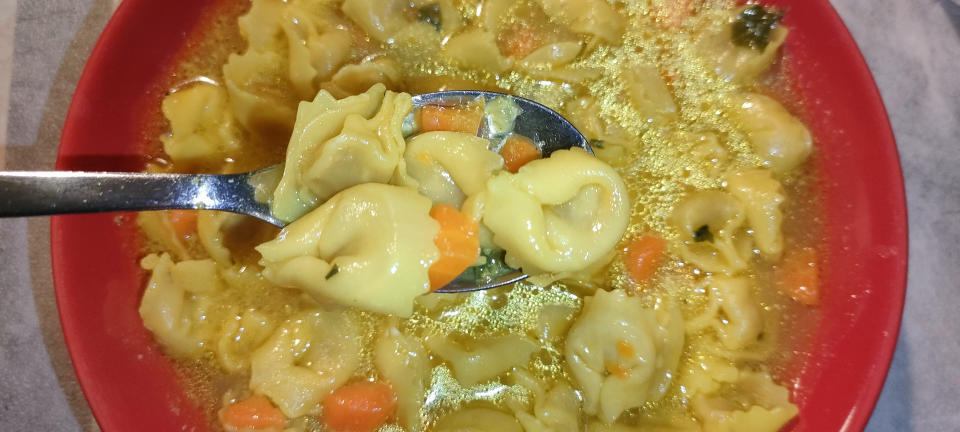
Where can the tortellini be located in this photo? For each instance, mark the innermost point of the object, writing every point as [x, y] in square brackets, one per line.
[486, 359]
[354, 79]
[379, 19]
[554, 54]
[583, 112]
[176, 303]
[210, 232]
[594, 17]
[622, 354]
[290, 50]
[240, 336]
[709, 224]
[732, 62]
[477, 49]
[733, 312]
[554, 409]
[726, 399]
[402, 361]
[717, 228]
[648, 93]
[306, 358]
[369, 246]
[449, 166]
[779, 138]
[201, 124]
[259, 104]
[340, 143]
[562, 213]
[762, 197]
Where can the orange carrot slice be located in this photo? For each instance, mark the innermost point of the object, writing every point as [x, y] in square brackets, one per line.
[184, 222]
[798, 276]
[465, 119]
[253, 413]
[458, 242]
[359, 407]
[518, 151]
[643, 256]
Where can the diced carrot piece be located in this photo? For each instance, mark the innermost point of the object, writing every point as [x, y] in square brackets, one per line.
[184, 222]
[458, 242]
[519, 41]
[517, 151]
[465, 119]
[359, 407]
[798, 276]
[643, 256]
[253, 413]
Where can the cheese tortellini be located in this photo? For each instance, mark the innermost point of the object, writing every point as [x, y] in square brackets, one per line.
[368, 246]
[779, 138]
[718, 228]
[477, 49]
[728, 399]
[562, 213]
[488, 359]
[733, 312]
[622, 354]
[762, 197]
[175, 303]
[648, 93]
[306, 358]
[379, 19]
[594, 17]
[710, 224]
[552, 409]
[201, 124]
[290, 50]
[340, 143]
[732, 62]
[447, 167]
[403, 362]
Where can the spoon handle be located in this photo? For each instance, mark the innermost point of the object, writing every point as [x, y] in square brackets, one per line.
[37, 193]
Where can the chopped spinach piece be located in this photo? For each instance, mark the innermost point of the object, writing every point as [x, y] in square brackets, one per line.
[752, 27]
[333, 271]
[703, 234]
[430, 14]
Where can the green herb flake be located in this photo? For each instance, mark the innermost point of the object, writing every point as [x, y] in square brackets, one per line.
[752, 27]
[333, 272]
[430, 14]
[703, 234]
[596, 144]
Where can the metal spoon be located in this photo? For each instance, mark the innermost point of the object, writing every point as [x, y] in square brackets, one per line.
[39, 193]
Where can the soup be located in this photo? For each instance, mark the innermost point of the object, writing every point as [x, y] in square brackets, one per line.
[672, 275]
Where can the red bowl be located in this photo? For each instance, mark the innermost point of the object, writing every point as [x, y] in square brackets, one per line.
[131, 386]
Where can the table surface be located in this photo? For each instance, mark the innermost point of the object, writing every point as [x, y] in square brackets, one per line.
[912, 47]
